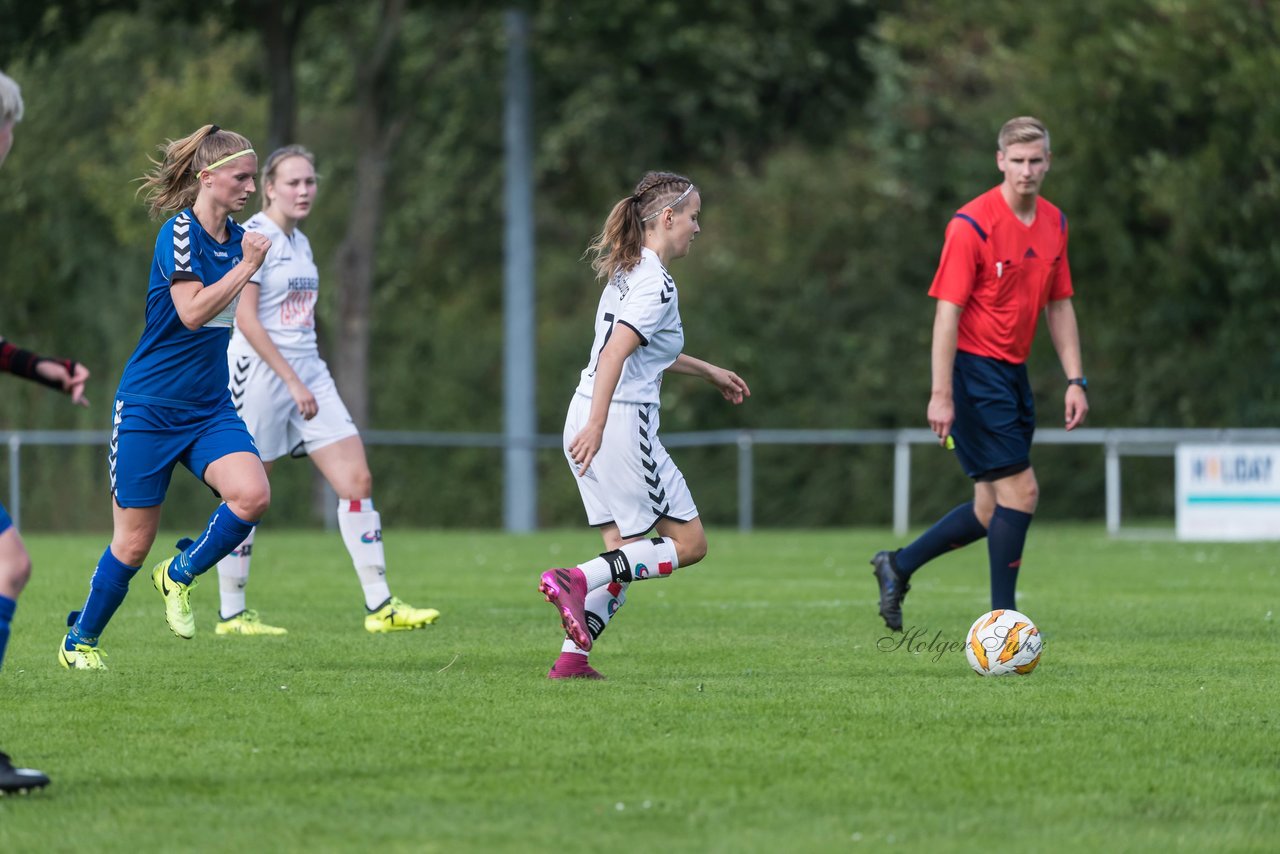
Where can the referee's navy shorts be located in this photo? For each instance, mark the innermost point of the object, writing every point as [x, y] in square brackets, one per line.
[147, 441]
[995, 417]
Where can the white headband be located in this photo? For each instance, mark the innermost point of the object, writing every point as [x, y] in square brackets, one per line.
[680, 198]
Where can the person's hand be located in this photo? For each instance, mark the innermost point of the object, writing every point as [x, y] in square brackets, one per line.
[255, 244]
[1075, 406]
[304, 399]
[72, 379]
[941, 415]
[74, 384]
[732, 387]
[585, 446]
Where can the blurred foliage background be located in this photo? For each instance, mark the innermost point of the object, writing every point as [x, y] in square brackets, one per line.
[832, 140]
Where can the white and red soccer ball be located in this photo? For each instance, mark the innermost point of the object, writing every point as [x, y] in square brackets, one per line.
[1003, 643]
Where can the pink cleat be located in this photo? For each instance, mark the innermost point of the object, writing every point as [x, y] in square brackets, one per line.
[570, 665]
[567, 590]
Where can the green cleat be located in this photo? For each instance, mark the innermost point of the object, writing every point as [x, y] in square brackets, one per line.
[247, 623]
[81, 657]
[177, 600]
[396, 616]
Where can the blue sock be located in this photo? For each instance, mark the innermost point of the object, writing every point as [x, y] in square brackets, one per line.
[225, 531]
[954, 530]
[107, 590]
[7, 607]
[1004, 547]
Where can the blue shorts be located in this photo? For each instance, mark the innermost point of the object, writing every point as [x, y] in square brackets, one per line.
[5, 522]
[148, 440]
[995, 416]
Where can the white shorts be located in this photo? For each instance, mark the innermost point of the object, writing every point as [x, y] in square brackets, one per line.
[263, 401]
[632, 481]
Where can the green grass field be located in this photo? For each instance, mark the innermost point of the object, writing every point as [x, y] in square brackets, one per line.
[751, 705]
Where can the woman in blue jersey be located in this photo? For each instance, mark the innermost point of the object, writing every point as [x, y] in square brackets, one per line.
[628, 482]
[172, 405]
[287, 398]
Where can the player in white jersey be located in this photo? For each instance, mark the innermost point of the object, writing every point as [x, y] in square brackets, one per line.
[287, 398]
[628, 482]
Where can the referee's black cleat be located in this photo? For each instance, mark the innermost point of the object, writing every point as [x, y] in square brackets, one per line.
[893, 589]
[19, 780]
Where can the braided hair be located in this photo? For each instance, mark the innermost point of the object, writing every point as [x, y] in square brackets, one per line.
[617, 247]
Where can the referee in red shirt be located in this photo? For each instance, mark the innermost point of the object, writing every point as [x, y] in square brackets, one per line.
[1004, 262]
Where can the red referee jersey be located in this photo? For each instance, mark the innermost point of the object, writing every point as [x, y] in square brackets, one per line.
[1002, 273]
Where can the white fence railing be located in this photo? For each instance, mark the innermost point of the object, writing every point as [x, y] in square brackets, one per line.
[1115, 443]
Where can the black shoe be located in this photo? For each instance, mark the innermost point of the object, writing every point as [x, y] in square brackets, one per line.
[893, 589]
[20, 780]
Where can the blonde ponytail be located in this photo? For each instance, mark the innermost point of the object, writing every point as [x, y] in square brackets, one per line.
[172, 184]
[617, 247]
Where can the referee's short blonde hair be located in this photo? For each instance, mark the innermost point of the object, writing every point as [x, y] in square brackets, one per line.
[10, 100]
[1023, 129]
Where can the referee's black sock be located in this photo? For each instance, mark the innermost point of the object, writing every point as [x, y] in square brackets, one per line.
[954, 530]
[1005, 539]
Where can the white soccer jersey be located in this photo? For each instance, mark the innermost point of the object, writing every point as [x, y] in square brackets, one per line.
[287, 286]
[645, 300]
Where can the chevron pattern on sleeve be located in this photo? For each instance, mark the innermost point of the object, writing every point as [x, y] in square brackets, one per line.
[182, 243]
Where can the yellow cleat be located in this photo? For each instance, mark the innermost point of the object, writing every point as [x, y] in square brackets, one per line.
[177, 600]
[396, 616]
[82, 657]
[247, 623]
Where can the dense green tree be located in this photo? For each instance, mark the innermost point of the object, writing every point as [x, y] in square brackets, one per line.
[832, 141]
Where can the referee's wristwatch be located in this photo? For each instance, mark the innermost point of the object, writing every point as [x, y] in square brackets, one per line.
[1083, 382]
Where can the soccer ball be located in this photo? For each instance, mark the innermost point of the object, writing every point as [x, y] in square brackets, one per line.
[1003, 642]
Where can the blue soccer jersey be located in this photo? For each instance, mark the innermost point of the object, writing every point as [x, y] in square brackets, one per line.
[172, 365]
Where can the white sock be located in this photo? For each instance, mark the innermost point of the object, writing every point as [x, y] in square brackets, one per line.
[233, 575]
[361, 528]
[601, 605]
[648, 558]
